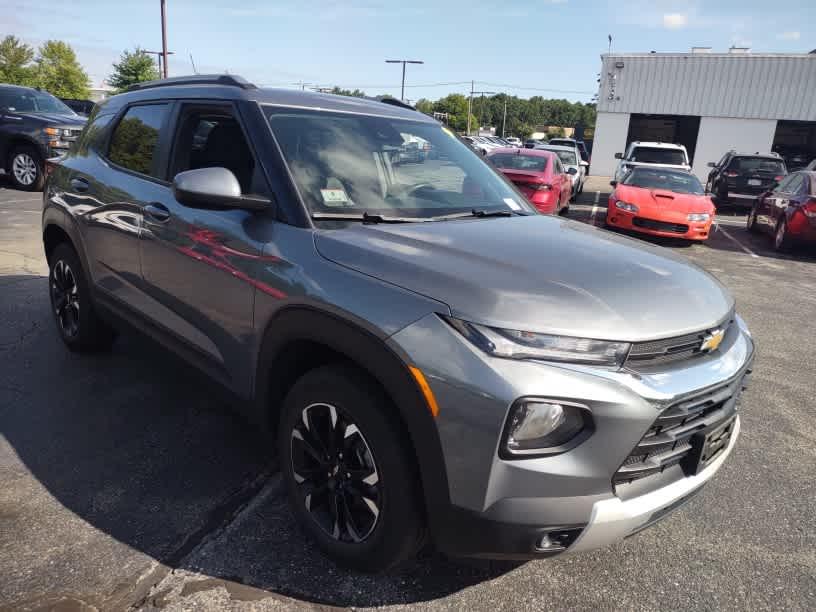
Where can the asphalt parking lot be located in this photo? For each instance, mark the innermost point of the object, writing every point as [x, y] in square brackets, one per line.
[126, 481]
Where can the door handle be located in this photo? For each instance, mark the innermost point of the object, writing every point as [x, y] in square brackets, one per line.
[158, 212]
[80, 185]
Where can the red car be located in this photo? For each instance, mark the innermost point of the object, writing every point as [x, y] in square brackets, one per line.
[661, 202]
[538, 174]
[788, 211]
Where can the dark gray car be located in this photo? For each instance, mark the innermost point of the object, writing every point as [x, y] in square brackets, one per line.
[438, 362]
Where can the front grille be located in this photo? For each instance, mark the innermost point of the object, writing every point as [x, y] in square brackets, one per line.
[677, 434]
[670, 350]
[661, 226]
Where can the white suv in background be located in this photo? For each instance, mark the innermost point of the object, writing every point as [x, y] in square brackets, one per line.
[652, 154]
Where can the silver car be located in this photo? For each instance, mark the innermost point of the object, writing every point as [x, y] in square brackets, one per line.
[435, 361]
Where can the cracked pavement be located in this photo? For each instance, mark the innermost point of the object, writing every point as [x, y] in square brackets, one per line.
[127, 483]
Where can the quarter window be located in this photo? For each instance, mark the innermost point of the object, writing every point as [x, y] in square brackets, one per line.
[134, 141]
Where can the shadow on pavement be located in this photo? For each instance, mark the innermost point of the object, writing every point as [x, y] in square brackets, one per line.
[141, 447]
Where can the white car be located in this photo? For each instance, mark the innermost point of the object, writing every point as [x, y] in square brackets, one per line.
[652, 154]
[516, 142]
[572, 162]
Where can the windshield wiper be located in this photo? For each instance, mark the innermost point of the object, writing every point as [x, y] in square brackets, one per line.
[366, 218]
[500, 212]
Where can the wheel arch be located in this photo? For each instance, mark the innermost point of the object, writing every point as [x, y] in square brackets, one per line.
[18, 140]
[290, 346]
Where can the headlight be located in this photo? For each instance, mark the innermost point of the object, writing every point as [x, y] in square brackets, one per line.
[627, 207]
[699, 217]
[514, 344]
[540, 426]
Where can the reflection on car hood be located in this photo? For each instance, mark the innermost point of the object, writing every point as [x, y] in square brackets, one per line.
[663, 200]
[55, 119]
[538, 273]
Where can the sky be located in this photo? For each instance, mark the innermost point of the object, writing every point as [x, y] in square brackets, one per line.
[522, 47]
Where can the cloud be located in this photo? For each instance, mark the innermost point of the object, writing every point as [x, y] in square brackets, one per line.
[792, 35]
[675, 21]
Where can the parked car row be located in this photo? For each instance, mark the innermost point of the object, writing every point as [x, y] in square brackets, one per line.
[485, 144]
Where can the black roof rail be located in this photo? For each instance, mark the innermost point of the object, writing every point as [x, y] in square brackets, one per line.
[399, 103]
[196, 79]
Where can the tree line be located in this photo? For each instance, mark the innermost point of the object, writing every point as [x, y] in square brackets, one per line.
[523, 116]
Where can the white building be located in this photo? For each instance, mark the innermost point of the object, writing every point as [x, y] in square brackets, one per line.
[709, 102]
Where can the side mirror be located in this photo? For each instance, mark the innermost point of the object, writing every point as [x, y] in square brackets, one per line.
[585, 164]
[213, 188]
[618, 155]
[613, 183]
[572, 171]
[711, 165]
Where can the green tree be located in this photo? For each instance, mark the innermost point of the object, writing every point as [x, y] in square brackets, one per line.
[425, 106]
[133, 67]
[59, 72]
[16, 60]
[356, 93]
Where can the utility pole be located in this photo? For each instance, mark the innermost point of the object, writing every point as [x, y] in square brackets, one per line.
[302, 85]
[481, 106]
[403, 62]
[159, 55]
[470, 105]
[504, 119]
[192, 61]
[164, 37]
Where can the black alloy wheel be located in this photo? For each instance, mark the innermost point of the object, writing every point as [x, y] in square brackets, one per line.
[65, 298]
[336, 473]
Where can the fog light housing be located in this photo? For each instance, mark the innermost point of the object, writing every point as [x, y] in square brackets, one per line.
[537, 427]
[557, 540]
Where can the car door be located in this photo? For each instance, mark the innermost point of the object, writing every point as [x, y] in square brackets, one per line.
[775, 206]
[106, 193]
[199, 264]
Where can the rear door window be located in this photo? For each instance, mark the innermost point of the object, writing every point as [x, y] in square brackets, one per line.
[135, 139]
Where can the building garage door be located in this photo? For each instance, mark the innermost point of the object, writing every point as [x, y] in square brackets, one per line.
[795, 141]
[677, 129]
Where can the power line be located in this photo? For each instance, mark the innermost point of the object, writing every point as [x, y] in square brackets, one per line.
[506, 86]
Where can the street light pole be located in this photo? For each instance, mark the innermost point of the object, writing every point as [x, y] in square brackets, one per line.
[164, 37]
[159, 55]
[403, 62]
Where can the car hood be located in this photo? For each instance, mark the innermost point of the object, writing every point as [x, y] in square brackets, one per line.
[55, 119]
[663, 200]
[537, 273]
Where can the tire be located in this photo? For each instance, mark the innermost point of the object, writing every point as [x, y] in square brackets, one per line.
[751, 221]
[380, 490]
[77, 322]
[782, 240]
[25, 167]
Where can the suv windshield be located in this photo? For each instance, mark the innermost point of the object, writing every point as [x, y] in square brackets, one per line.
[513, 161]
[32, 101]
[656, 155]
[353, 164]
[567, 157]
[757, 164]
[652, 178]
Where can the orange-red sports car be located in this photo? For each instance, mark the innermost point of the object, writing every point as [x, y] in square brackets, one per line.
[661, 202]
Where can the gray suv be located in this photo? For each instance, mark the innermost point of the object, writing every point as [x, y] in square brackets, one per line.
[439, 363]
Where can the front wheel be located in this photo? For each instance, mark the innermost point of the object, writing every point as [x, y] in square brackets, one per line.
[751, 222]
[349, 477]
[782, 239]
[26, 169]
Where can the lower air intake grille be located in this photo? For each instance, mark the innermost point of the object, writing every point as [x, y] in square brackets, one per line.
[660, 226]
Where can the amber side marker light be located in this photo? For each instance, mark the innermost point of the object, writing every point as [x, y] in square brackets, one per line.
[426, 390]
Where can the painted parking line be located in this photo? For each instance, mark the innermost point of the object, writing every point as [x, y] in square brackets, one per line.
[2, 201]
[595, 207]
[737, 242]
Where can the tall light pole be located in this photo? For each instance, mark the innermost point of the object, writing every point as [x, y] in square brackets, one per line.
[481, 107]
[159, 55]
[164, 37]
[403, 62]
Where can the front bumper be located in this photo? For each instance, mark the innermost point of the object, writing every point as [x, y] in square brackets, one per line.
[614, 519]
[502, 508]
[623, 220]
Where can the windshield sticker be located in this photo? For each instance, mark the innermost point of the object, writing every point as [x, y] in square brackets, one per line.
[335, 197]
[512, 203]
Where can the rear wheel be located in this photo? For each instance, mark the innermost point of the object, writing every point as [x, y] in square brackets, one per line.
[77, 322]
[347, 472]
[782, 239]
[26, 168]
[751, 222]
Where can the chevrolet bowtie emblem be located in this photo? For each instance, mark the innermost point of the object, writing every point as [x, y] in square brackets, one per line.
[712, 341]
